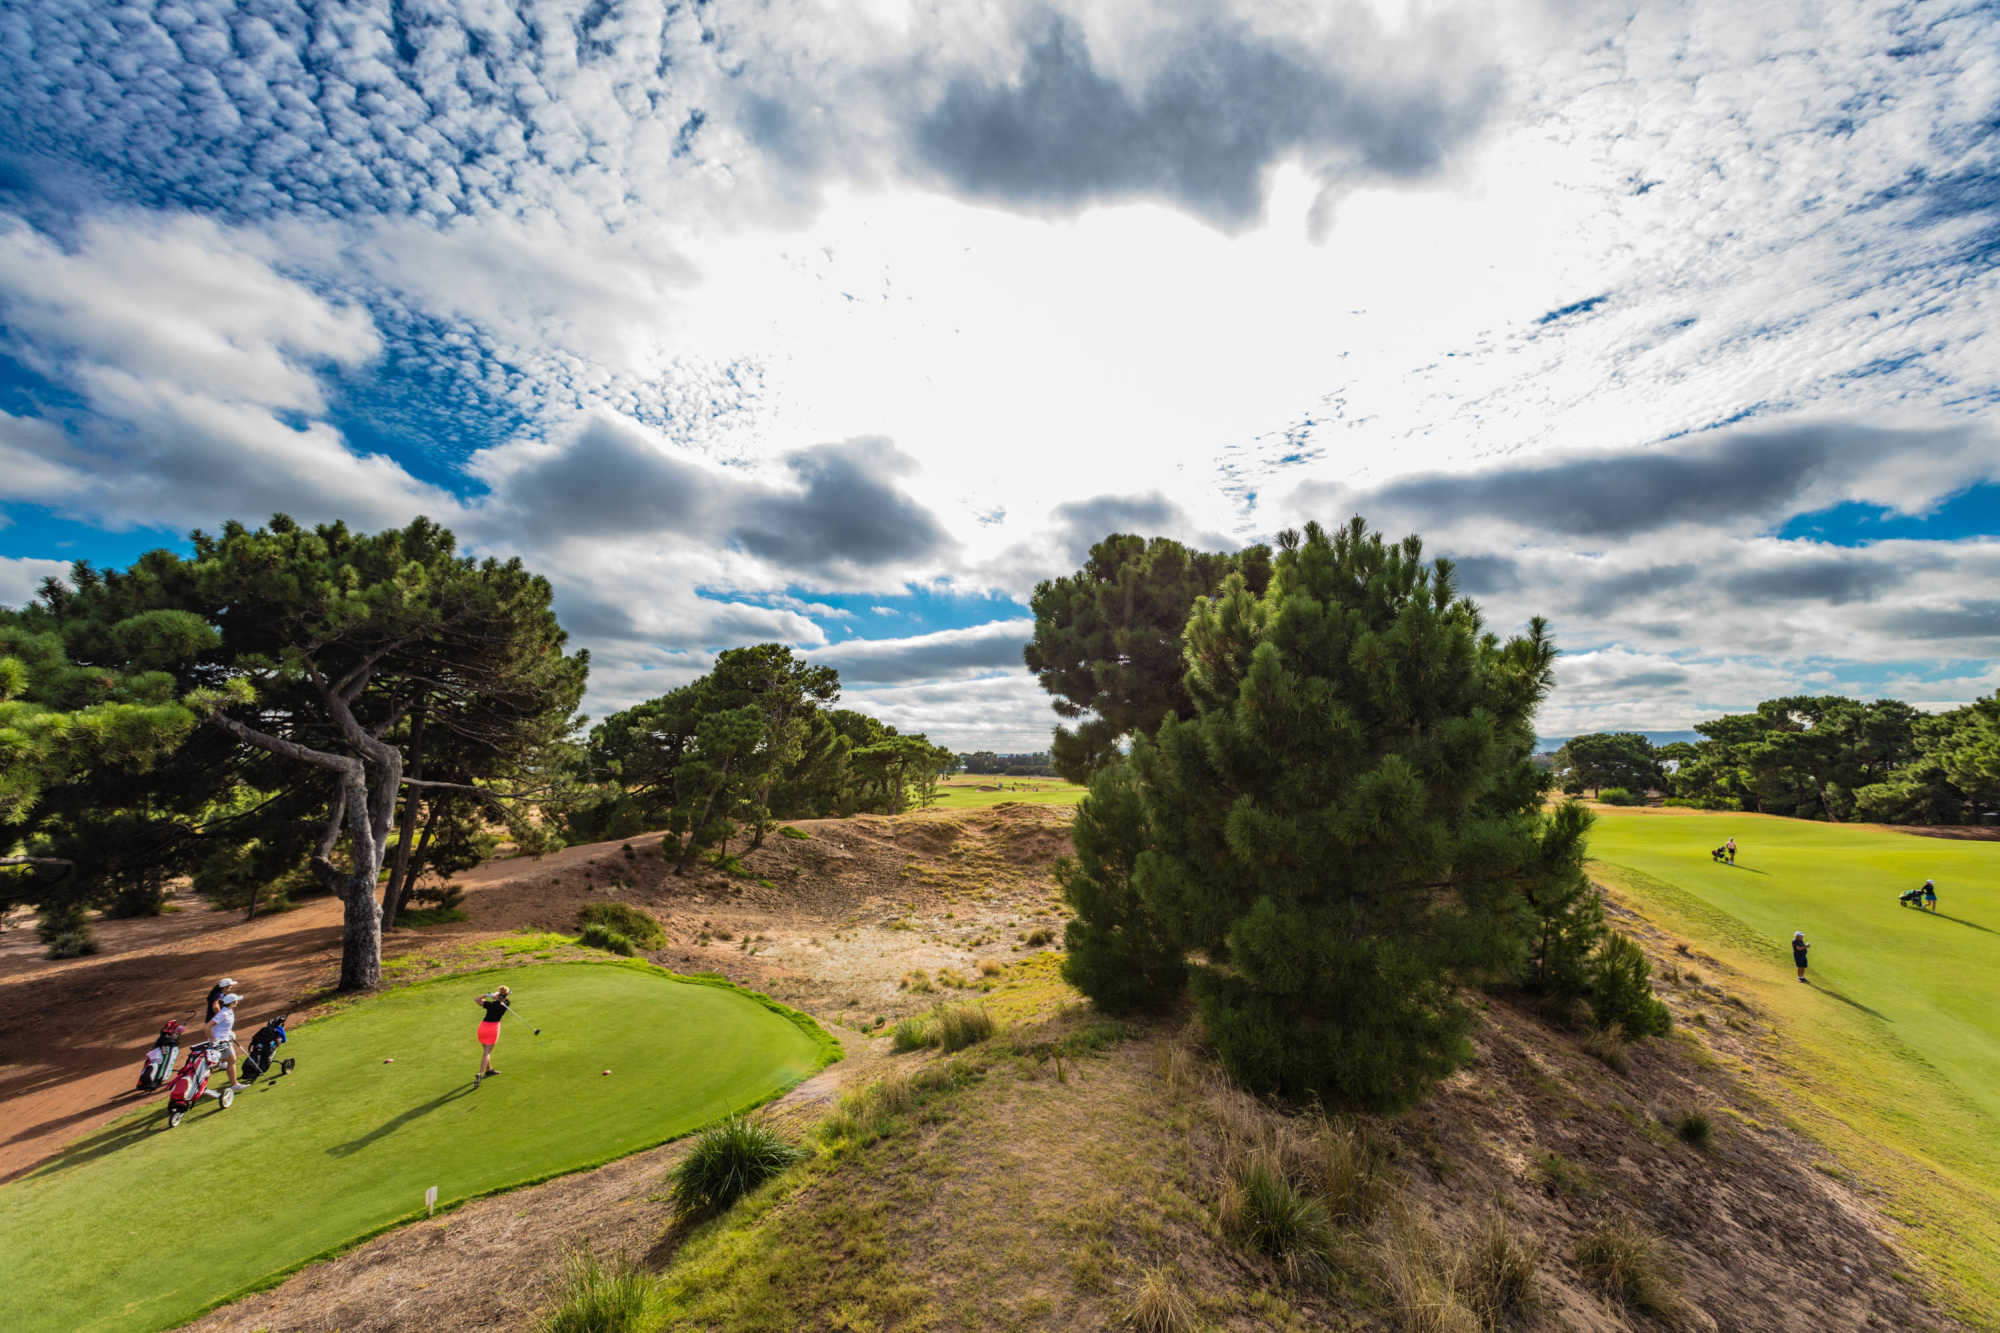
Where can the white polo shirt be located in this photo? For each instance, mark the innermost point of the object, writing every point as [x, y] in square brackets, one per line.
[222, 1027]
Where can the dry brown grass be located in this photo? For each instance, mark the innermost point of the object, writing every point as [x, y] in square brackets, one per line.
[1161, 1304]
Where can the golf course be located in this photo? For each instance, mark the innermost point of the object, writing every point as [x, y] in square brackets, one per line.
[1891, 1053]
[141, 1227]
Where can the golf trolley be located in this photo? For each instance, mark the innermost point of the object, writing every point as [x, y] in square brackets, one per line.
[261, 1057]
[160, 1059]
[191, 1085]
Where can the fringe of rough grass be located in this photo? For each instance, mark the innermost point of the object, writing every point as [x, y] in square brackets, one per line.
[1438, 1287]
[727, 1161]
[591, 1298]
[881, 1108]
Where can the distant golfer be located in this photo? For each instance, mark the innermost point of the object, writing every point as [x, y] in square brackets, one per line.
[222, 1034]
[1930, 894]
[1799, 947]
[495, 1005]
[1730, 847]
[215, 994]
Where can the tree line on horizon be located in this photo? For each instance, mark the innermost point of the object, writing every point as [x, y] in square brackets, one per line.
[1313, 810]
[289, 709]
[1823, 757]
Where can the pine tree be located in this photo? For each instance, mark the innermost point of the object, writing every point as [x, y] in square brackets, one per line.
[1346, 828]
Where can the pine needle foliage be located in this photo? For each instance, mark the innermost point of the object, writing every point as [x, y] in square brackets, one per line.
[1345, 829]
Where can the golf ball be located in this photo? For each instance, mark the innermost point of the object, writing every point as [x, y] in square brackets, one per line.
[607, 1073]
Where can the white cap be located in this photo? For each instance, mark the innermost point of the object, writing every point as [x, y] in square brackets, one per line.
[231, 999]
[227, 981]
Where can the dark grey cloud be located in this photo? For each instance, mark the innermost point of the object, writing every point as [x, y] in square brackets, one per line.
[847, 511]
[1978, 619]
[988, 647]
[1760, 476]
[1837, 577]
[1648, 680]
[1612, 593]
[610, 480]
[1487, 575]
[836, 507]
[1226, 106]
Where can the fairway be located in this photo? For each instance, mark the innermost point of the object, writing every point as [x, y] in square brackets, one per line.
[1893, 1049]
[963, 793]
[142, 1227]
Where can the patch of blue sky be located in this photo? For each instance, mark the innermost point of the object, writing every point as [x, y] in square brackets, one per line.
[1973, 512]
[38, 532]
[877, 615]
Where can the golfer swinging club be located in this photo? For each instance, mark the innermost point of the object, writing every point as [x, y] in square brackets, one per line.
[495, 1005]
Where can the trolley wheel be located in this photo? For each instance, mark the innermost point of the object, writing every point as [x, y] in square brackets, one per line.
[174, 1118]
[227, 1098]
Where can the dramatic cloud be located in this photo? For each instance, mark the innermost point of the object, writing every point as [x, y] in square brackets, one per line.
[741, 323]
[1200, 126]
[950, 652]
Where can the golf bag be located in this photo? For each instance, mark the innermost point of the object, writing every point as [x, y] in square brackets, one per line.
[160, 1060]
[263, 1052]
[1912, 898]
[192, 1083]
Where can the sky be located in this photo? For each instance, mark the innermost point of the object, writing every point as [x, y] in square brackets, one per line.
[843, 325]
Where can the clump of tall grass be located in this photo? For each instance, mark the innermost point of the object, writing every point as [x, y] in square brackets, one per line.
[591, 1298]
[949, 1027]
[1276, 1218]
[1161, 1306]
[641, 928]
[1498, 1271]
[1626, 1265]
[1695, 1128]
[727, 1161]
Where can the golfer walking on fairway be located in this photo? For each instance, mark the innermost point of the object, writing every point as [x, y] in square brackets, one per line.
[1799, 947]
[495, 1005]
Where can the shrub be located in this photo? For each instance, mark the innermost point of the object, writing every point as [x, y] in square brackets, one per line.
[78, 942]
[727, 1161]
[1160, 1306]
[598, 936]
[1038, 937]
[593, 1299]
[787, 831]
[1625, 1264]
[911, 1034]
[1704, 802]
[1621, 990]
[866, 1115]
[990, 968]
[1620, 796]
[641, 928]
[1499, 1271]
[1277, 1219]
[957, 1026]
[1695, 1127]
[917, 982]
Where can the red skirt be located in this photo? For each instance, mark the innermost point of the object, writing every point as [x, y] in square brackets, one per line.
[488, 1033]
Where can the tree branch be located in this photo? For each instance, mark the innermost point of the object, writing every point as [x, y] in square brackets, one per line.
[37, 861]
[284, 749]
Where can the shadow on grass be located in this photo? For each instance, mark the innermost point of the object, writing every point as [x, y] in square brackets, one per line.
[102, 1144]
[1855, 1004]
[390, 1126]
[1947, 916]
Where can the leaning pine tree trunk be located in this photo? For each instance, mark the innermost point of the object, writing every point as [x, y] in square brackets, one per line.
[361, 935]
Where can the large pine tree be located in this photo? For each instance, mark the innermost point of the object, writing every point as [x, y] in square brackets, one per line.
[1347, 826]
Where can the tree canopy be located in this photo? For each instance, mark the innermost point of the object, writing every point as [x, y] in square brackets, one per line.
[1610, 759]
[331, 670]
[1345, 828]
[1107, 640]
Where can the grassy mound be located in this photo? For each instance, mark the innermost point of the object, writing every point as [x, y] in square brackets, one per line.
[1894, 1048]
[141, 1227]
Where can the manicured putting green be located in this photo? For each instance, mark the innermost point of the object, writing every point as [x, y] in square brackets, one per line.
[1894, 1046]
[142, 1227]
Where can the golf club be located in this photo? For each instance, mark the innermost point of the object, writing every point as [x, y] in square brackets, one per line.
[510, 1009]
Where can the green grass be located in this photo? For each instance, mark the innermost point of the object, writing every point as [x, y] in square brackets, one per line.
[962, 793]
[142, 1227]
[1893, 1050]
